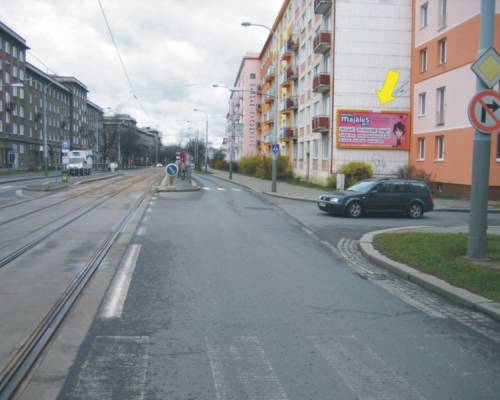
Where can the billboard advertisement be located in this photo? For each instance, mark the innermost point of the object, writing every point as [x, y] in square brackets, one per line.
[385, 130]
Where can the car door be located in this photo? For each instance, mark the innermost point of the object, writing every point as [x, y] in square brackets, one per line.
[376, 199]
[401, 196]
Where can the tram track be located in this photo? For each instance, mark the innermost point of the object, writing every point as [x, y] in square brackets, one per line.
[17, 369]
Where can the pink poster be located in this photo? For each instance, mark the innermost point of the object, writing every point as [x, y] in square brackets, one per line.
[373, 130]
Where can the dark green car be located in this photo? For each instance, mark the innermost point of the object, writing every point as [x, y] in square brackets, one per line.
[380, 196]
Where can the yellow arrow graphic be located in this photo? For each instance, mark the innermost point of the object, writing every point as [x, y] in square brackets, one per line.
[385, 94]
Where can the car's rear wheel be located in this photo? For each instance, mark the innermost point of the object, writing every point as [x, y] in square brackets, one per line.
[355, 209]
[415, 210]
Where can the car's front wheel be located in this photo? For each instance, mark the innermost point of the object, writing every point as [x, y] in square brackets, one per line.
[355, 209]
[415, 211]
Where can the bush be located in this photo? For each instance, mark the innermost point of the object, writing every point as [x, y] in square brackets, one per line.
[264, 168]
[249, 164]
[331, 181]
[218, 164]
[410, 172]
[355, 172]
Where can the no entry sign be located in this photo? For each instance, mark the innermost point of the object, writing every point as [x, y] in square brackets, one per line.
[484, 111]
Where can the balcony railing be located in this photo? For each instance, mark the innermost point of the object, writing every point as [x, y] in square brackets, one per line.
[289, 104]
[268, 117]
[322, 42]
[287, 133]
[267, 139]
[322, 6]
[290, 46]
[269, 96]
[321, 83]
[292, 73]
[269, 74]
[321, 123]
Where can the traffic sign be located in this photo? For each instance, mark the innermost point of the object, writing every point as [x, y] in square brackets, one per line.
[276, 148]
[487, 67]
[484, 111]
[65, 144]
[171, 170]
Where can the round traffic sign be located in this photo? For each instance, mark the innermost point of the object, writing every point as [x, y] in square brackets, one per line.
[484, 111]
[171, 169]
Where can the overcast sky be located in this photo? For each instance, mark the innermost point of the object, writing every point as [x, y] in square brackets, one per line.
[166, 45]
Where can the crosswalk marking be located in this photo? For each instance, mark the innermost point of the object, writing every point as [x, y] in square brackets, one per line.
[221, 189]
[237, 190]
[366, 374]
[240, 369]
[206, 188]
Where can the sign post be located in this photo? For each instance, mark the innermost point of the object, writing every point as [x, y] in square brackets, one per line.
[478, 218]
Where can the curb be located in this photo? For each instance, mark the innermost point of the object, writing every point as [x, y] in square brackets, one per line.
[48, 188]
[169, 189]
[430, 282]
[284, 196]
[6, 182]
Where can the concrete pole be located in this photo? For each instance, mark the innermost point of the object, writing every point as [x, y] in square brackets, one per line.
[45, 145]
[478, 219]
[274, 167]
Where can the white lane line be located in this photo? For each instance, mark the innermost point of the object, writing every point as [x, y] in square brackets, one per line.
[6, 187]
[241, 370]
[141, 231]
[363, 370]
[221, 189]
[97, 377]
[146, 219]
[206, 188]
[116, 296]
[237, 190]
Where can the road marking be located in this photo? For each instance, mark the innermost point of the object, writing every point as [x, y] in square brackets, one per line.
[148, 210]
[6, 187]
[146, 219]
[310, 233]
[240, 369]
[221, 189]
[116, 296]
[237, 190]
[363, 370]
[206, 188]
[97, 378]
[141, 231]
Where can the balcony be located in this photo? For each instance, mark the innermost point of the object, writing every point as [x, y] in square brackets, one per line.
[289, 104]
[289, 75]
[268, 118]
[290, 46]
[287, 133]
[321, 83]
[322, 42]
[322, 6]
[267, 139]
[269, 74]
[269, 96]
[321, 123]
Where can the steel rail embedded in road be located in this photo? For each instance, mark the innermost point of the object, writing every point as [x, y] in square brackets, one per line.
[28, 246]
[19, 366]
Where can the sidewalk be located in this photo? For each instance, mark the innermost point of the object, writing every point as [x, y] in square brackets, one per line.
[294, 192]
[431, 282]
[5, 179]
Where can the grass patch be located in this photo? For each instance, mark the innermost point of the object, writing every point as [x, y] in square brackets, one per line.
[14, 172]
[202, 171]
[306, 184]
[442, 255]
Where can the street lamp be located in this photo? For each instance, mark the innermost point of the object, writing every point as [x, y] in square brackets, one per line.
[274, 173]
[206, 137]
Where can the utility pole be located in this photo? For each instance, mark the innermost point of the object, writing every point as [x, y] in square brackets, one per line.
[206, 146]
[233, 128]
[478, 219]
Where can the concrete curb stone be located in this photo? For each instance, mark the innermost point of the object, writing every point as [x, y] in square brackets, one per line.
[432, 283]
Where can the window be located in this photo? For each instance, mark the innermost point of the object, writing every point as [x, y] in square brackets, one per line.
[423, 60]
[21, 148]
[443, 51]
[315, 149]
[301, 150]
[7, 118]
[21, 130]
[14, 51]
[439, 148]
[421, 104]
[423, 15]
[14, 128]
[253, 76]
[442, 14]
[7, 47]
[421, 149]
[324, 145]
[440, 94]
[326, 105]
[295, 151]
[1, 126]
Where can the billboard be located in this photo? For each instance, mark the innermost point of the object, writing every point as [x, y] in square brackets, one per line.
[385, 130]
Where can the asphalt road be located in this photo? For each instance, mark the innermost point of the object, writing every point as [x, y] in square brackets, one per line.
[224, 294]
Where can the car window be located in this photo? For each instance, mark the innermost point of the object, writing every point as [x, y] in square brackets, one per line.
[384, 187]
[400, 187]
[419, 188]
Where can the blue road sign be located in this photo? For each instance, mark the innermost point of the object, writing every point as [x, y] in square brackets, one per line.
[65, 144]
[276, 148]
[171, 169]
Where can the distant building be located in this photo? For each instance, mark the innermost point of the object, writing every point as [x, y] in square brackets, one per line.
[94, 128]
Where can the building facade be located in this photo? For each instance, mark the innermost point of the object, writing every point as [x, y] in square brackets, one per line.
[445, 44]
[332, 58]
[94, 127]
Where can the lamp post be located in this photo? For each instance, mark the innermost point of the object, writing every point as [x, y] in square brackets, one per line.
[206, 136]
[274, 172]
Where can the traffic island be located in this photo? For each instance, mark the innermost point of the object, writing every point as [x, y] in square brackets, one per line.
[177, 185]
[435, 259]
